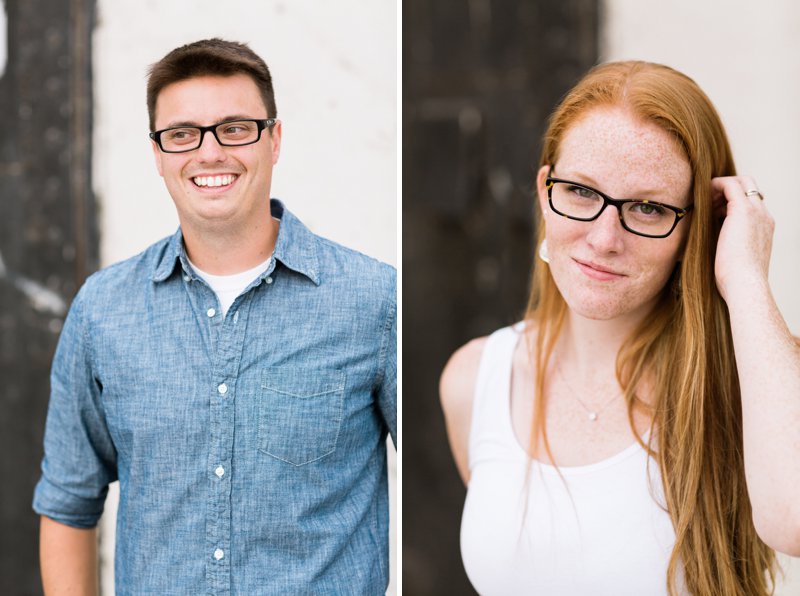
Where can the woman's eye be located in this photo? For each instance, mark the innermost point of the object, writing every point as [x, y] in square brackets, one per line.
[583, 193]
[649, 209]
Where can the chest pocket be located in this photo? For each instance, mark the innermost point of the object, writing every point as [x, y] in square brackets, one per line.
[300, 413]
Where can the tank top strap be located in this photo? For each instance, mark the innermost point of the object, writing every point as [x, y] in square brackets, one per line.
[490, 407]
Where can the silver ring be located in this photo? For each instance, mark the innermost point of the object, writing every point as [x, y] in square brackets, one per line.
[753, 192]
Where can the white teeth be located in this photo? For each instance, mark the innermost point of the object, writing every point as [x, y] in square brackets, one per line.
[214, 181]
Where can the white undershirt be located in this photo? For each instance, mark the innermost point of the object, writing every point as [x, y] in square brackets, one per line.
[228, 287]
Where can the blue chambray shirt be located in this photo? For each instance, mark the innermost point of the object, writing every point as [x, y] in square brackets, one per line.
[250, 450]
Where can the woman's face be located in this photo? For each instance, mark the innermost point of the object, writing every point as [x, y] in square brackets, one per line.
[602, 270]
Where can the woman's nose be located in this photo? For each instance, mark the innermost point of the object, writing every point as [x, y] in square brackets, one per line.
[606, 234]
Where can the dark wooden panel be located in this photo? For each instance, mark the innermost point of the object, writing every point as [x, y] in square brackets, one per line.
[479, 80]
[48, 243]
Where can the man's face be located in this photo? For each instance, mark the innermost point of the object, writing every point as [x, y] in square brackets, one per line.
[234, 182]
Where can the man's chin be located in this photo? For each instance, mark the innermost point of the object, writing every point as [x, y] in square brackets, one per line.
[208, 217]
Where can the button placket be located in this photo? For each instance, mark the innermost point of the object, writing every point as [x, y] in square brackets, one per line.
[226, 358]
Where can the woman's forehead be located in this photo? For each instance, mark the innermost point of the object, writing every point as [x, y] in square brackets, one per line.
[614, 147]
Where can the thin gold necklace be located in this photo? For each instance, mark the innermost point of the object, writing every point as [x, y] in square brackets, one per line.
[593, 414]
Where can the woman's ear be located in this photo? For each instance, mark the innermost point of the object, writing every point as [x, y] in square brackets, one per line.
[541, 188]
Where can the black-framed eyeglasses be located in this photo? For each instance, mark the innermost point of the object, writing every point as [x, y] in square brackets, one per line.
[638, 216]
[231, 133]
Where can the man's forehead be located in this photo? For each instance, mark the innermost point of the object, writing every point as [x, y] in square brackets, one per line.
[208, 99]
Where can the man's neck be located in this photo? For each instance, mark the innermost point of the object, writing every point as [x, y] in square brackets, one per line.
[229, 252]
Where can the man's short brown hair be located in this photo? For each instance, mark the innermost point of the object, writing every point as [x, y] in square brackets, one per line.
[215, 57]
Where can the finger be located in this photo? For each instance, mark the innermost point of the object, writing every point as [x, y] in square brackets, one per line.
[722, 189]
[718, 199]
[727, 188]
[719, 205]
[748, 182]
[743, 189]
[750, 187]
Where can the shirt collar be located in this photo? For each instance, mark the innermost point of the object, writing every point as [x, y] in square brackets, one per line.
[296, 248]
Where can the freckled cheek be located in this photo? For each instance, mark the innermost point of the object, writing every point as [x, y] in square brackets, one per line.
[652, 280]
[561, 239]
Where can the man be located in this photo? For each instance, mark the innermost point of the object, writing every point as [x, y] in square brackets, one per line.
[238, 378]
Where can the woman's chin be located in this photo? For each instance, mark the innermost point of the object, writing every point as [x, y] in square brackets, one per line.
[597, 312]
[598, 308]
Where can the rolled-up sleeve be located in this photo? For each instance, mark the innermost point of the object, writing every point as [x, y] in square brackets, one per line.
[79, 456]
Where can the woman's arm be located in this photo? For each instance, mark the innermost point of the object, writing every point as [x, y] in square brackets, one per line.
[768, 362]
[456, 392]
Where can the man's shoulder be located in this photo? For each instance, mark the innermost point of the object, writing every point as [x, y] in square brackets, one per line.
[127, 274]
[353, 272]
[349, 261]
[325, 261]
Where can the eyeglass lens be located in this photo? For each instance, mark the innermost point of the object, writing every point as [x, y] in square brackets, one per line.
[240, 132]
[583, 203]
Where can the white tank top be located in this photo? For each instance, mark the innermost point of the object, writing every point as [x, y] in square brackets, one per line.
[606, 533]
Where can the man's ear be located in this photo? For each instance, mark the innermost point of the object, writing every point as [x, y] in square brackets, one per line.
[275, 139]
[157, 155]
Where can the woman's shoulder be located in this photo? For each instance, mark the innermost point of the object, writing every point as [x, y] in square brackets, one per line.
[460, 374]
[457, 392]
[457, 383]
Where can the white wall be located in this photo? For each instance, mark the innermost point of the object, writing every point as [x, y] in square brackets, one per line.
[746, 57]
[334, 68]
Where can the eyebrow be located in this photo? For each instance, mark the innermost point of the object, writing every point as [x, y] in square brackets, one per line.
[591, 182]
[194, 123]
[579, 178]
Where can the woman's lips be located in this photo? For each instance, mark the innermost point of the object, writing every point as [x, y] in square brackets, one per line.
[598, 272]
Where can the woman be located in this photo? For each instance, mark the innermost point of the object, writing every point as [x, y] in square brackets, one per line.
[639, 431]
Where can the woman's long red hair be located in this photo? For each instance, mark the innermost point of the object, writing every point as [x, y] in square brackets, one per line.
[685, 346]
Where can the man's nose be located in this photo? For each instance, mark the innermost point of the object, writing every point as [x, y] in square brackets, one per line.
[210, 149]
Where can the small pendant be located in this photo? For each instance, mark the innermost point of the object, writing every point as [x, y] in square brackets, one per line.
[592, 416]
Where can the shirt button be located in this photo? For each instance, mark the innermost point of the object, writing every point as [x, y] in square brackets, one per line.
[218, 554]
[220, 471]
[187, 278]
[268, 280]
[211, 312]
[222, 388]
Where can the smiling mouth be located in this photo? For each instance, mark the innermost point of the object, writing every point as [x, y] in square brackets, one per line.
[214, 181]
[598, 272]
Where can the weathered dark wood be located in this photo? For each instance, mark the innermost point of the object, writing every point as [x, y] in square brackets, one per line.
[479, 80]
[48, 243]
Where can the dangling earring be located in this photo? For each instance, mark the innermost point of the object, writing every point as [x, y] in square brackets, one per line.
[543, 254]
